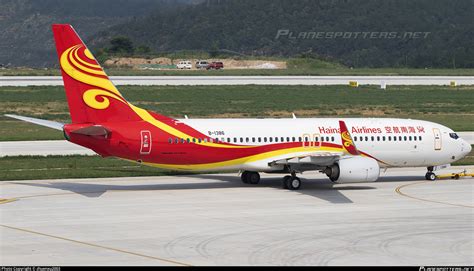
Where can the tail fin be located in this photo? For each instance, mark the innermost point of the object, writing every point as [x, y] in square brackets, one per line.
[347, 142]
[91, 96]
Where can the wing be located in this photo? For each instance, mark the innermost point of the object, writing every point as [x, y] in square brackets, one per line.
[311, 161]
[320, 159]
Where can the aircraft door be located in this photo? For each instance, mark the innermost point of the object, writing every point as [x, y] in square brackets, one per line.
[145, 144]
[437, 139]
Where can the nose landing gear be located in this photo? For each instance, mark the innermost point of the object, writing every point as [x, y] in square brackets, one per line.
[430, 176]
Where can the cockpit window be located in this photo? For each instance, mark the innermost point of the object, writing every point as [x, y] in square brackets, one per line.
[453, 135]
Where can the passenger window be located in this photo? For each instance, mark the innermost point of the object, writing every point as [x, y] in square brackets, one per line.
[355, 138]
[332, 138]
[199, 140]
[176, 140]
[170, 140]
[287, 139]
[253, 139]
[235, 139]
[241, 140]
[264, 139]
[366, 138]
[299, 139]
[383, 138]
[378, 138]
[259, 139]
[188, 140]
[409, 138]
[194, 140]
[405, 138]
[276, 139]
[182, 140]
[372, 138]
[389, 138]
[394, 138]
[228, 140]
[247, 139]
[420, 138]
[294, 139]
[414, 138]
[270, 139]
[399, 138]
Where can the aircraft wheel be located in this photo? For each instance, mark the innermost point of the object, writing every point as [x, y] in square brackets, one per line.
[293, 183]
[430, 176]
[253, 177]
[244, 177]
[285, 180]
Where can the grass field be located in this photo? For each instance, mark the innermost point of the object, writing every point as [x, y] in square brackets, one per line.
[76, 166]
[449, 106]
[55, 167]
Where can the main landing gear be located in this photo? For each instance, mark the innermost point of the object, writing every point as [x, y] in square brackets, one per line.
[290, 182]
[250, 177]
[430, 176]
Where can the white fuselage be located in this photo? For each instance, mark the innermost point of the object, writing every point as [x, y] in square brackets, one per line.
[393, 142]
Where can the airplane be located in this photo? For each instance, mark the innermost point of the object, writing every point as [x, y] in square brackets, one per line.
[345, 149]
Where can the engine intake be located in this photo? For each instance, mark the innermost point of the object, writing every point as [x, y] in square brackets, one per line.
[354, 170]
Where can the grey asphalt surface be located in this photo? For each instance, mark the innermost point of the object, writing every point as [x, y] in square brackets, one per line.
[216, 220]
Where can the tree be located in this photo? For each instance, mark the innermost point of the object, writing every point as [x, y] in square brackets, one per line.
[121, 45]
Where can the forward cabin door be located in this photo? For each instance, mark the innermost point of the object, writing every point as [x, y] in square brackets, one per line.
[437, 139]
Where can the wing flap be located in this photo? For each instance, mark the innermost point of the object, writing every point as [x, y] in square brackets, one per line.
[316, 158]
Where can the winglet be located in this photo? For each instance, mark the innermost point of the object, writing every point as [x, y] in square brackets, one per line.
[347, 142]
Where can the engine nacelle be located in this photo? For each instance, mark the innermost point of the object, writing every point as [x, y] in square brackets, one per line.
[354, 170]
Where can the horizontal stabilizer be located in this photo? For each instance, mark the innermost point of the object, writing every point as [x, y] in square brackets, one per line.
[46, 123]
[93, 130]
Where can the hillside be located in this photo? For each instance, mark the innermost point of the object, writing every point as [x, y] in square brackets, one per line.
[423, 33]
[25, 25]
[355, 33]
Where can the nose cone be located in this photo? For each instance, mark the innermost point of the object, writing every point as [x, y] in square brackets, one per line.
[466, 148]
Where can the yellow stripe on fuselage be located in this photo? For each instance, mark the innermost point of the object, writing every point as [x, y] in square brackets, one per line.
[242, 160]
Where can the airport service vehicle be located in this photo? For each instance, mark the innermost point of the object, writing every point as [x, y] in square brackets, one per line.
[201, 64]
[215, 65]
[345, 149]
[184, 65]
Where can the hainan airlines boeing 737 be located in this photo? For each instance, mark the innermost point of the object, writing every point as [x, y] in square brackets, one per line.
[346, 149]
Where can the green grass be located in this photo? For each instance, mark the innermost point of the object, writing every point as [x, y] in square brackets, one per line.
[449, 106]
[76, 166]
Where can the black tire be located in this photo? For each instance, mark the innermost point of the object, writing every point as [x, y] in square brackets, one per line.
[244, 177]
[293, 183]
[430, 176]
[253, 177]
[284, 182]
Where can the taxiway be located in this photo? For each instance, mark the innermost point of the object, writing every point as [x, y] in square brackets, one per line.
[214, 219]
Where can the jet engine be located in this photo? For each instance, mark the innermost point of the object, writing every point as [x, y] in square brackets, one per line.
[353, 170]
